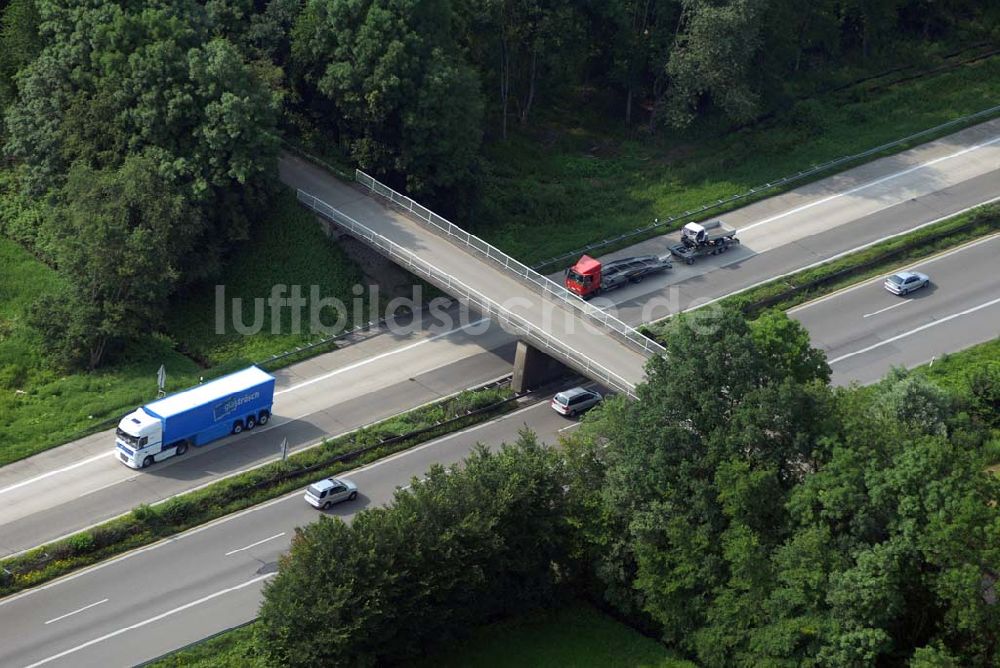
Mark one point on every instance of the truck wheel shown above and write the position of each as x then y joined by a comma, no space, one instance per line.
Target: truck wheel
182,448
251,422
147,462
237,427
263,418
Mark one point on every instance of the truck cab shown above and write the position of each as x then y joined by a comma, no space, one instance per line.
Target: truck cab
584,277
694,234
139,435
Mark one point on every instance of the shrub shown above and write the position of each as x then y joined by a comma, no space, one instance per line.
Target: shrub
81,543
984,393
145,513
178,511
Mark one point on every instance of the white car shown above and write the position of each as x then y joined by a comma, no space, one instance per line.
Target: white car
325,493
575,401
906,281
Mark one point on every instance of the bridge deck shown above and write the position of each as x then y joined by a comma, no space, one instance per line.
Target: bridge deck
566,326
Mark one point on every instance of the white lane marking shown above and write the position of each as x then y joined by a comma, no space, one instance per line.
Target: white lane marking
257,465
567,428
252,545
888,308
151,620
836,256
916,330
869,184
409,485
922,263
70,614
388,353
277,422
297,494
477,427
53,472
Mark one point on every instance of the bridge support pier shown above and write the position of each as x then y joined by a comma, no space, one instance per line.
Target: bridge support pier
532,368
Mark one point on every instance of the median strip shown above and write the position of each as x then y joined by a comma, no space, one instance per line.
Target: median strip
147,524
831,276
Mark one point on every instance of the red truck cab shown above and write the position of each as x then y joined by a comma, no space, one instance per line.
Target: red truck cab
584,277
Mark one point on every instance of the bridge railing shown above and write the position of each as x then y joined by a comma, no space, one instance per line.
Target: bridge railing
508,320
543,284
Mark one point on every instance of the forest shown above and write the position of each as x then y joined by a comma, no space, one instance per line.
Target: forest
743,511
140,138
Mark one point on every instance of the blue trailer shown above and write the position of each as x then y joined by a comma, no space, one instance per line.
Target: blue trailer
193,417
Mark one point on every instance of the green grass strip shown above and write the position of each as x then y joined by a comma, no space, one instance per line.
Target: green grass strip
880,258
147,524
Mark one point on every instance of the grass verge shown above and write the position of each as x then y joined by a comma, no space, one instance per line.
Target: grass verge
288,249
230,649
148,524
569,181
803,286
576,634
41,407
952,371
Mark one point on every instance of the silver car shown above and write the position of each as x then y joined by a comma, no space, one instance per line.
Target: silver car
906,281
575,401
325,493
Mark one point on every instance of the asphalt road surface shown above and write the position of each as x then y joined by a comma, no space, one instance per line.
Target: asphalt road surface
823,220
73,486
865,329
65,489
180,590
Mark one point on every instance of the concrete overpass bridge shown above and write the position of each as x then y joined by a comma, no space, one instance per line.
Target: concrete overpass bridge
543,315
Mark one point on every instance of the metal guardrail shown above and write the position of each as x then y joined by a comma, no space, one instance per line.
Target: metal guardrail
510,321
546,286
660,224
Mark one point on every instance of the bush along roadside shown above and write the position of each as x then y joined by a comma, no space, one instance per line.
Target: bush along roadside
802,286
147,524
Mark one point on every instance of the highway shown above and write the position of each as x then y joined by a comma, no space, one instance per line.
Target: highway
68,488
175,592
865,329
823,220
79,484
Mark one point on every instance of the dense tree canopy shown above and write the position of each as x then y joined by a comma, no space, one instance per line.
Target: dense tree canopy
149,137
741,508
756,517
123,234
458,548
407,89
387,81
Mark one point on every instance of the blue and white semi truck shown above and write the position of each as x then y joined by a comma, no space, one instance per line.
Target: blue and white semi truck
194,417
